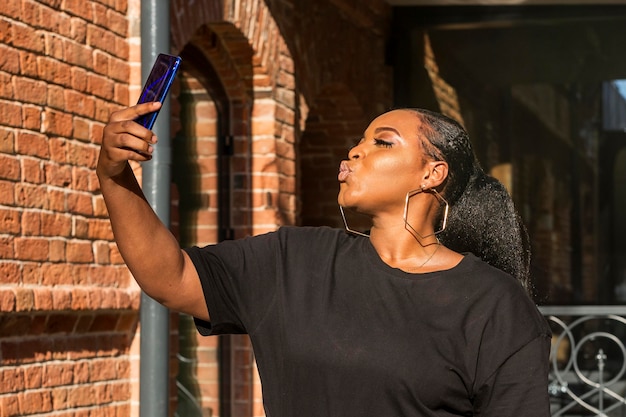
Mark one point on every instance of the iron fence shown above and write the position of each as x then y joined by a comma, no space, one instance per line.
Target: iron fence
588,360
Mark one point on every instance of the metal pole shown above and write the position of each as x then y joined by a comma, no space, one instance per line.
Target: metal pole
154,318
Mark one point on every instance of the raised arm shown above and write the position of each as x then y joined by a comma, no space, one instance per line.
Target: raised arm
149,249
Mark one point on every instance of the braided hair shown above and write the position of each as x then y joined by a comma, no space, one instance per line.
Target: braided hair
482,218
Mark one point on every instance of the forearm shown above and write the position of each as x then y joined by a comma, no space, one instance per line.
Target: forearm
147,246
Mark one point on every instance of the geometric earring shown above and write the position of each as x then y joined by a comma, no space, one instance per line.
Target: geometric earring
345,224
442,201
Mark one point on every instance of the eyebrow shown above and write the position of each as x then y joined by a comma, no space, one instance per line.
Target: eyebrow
386,128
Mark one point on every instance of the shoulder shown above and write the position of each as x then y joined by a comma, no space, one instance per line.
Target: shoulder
317,237
502,297
310,231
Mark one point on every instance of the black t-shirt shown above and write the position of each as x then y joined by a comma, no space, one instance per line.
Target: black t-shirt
337,332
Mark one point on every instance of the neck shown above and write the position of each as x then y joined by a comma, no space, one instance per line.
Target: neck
399,242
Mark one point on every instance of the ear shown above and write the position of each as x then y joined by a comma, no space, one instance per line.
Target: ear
436,174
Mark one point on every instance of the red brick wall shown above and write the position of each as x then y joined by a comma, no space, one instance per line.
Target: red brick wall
68,308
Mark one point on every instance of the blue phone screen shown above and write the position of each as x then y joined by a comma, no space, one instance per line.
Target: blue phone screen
158,85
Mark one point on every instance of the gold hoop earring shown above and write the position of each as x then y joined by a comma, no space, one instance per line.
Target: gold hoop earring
441,200
345,225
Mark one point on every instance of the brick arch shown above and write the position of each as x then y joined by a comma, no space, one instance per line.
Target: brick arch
249,20
241,40
335,121
263,173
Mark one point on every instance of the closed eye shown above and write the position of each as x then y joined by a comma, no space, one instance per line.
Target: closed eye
383,143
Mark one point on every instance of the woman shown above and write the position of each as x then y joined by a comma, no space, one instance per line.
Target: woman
404,321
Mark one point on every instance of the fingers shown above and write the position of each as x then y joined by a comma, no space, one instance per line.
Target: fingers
125,140
122,131
131,113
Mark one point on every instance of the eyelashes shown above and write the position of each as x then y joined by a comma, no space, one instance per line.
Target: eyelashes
377,142
383,143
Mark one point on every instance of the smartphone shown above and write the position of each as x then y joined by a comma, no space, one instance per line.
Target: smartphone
158,85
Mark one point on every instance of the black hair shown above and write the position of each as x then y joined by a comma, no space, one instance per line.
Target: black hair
482,218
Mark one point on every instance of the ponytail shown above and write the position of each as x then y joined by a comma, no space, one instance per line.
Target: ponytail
484,221
482,218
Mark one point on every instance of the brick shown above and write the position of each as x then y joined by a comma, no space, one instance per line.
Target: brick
31,196
119,70
59,398
28,64
33,249
79,252
32,376
102,39
78,54
61,299
10,167
58,175
31,13
31,273
31,116
104,323
7,297
78,30
100,86
81,129
93,184
57,200
6,87
57,251
56,224
101,253
101,62
33,144
82,155
61,323
10,221
43,299
57,374
79,204
80,299
103,112
10,114
31,171
55,46
10,406
6,247
83,324
24,299
81,228
58,149
56,97
54,71
79,103
26,37
97,131
9,60
7,140
79,79
79,8
60,24
100,230
6,31
12,380
33,402
31,223
57,123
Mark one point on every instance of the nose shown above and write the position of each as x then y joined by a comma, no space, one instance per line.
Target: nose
355,152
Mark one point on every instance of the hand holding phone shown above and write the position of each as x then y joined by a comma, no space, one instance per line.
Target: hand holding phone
158,85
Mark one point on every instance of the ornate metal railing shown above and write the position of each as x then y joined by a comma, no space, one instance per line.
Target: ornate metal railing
588,360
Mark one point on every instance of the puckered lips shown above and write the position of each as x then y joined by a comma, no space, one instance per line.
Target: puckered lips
344,171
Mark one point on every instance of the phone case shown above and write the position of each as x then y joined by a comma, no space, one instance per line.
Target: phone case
158,85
